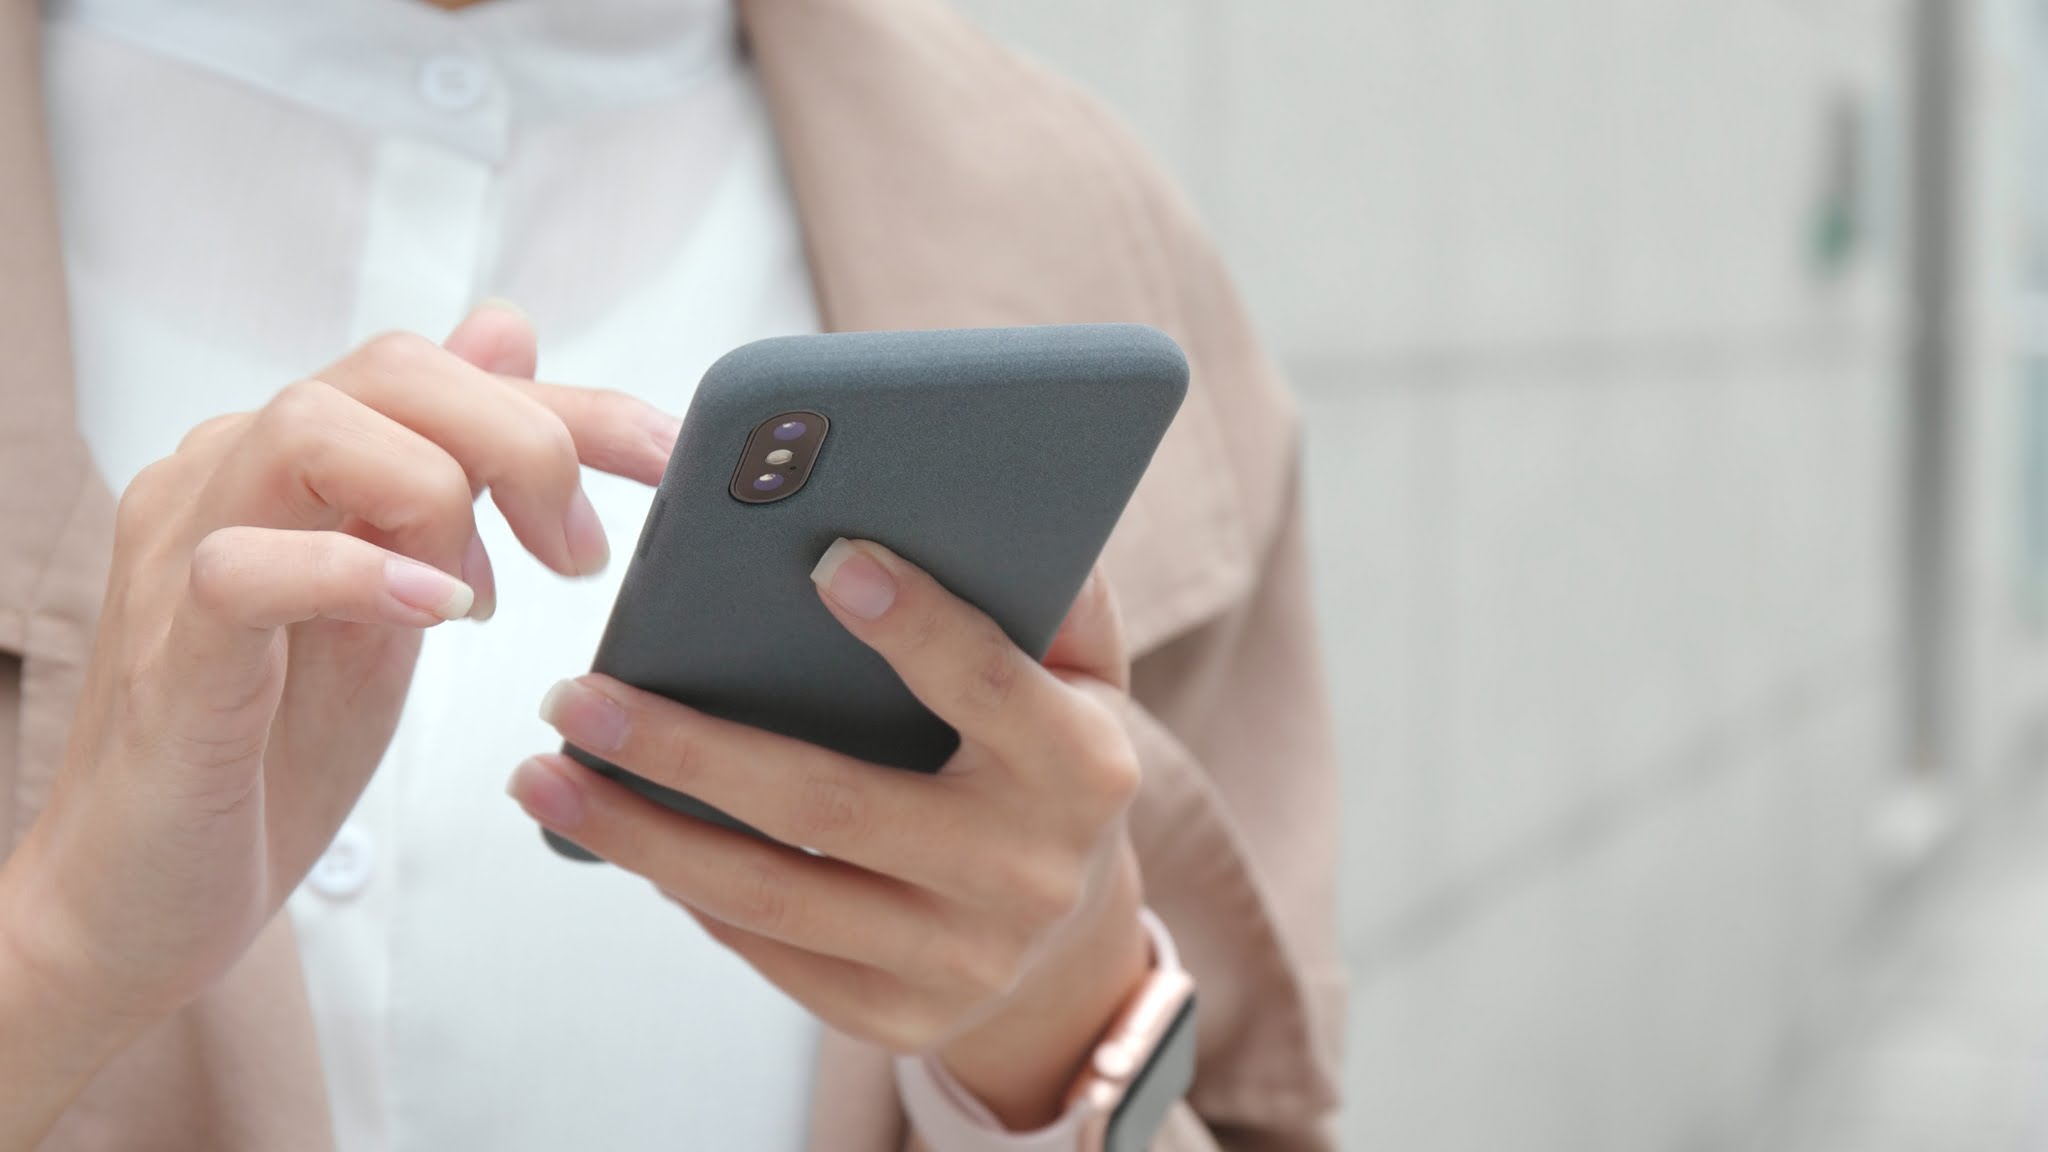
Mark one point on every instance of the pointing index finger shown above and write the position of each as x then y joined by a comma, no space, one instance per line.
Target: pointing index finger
614,432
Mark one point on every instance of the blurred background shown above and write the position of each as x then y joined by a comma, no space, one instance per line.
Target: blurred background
1676,384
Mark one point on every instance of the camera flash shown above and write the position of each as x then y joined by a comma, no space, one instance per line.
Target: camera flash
781,456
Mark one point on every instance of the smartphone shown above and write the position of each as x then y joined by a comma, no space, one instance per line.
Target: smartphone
997,459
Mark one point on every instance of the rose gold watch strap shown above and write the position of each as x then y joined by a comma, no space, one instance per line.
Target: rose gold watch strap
950,1119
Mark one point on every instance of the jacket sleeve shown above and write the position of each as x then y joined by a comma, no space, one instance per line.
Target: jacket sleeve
1232,724
1236,824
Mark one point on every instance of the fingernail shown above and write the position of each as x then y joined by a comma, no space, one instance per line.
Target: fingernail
503,305
584,716
588,549
476,571
427,588
854,580
547,794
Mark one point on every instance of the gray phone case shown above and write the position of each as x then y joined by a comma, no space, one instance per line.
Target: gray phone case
996,459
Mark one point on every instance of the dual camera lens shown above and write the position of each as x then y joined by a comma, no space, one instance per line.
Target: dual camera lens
779,457
786,431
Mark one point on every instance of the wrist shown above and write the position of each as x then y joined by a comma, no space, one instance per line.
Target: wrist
55,1035
1021,1062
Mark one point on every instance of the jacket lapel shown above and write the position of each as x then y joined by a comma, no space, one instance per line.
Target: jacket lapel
42,462
943,182
55,516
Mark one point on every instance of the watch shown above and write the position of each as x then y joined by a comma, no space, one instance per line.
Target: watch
1142,1064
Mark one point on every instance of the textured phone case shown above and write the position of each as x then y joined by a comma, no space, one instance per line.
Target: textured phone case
996,459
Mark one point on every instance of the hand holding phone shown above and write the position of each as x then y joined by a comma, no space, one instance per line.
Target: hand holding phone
997,460
954,493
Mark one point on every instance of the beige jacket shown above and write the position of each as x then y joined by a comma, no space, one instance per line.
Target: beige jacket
942,182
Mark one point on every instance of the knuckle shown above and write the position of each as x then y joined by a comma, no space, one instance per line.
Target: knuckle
830,810
1107,771
1113,776
135,511
437,497
991,676
1051,895
679,757
297,404
207,433
298,421
922,628
543,440
216,563
1043,888
984,970
446,488
396,353
146,498
762,900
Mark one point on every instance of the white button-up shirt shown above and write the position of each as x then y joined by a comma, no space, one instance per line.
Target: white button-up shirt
248,188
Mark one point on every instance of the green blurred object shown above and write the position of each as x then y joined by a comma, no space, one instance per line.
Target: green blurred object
1838,225
1836,237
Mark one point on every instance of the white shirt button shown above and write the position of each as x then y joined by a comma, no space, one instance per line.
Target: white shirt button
452,83
344,869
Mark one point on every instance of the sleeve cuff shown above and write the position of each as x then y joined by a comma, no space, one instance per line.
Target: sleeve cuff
951,1119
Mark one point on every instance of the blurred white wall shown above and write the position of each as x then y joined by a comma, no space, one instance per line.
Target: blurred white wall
1605,473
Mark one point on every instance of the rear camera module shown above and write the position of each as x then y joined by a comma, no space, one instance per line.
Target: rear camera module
779,455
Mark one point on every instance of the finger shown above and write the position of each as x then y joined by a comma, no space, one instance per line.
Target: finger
478,573
856,999
811,902
210,438
497,338
1091,639
951,656
880,819
503,439
242,585
263,578
315,458
614,432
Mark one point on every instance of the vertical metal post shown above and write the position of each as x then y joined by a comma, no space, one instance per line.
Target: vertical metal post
1936,175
